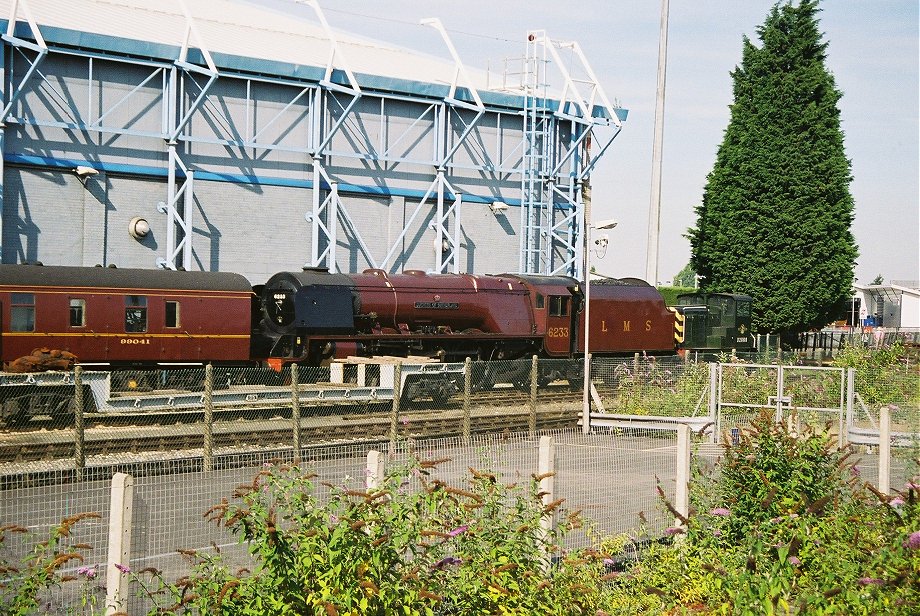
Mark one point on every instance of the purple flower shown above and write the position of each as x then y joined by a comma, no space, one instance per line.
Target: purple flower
674,530
89,572
123,568
854,470
793,560
447,561
913,540
717,533
897,501
910,485
609,562
333,519
720,511
869,581
459,530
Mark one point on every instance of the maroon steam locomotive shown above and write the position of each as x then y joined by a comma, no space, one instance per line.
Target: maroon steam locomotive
160,318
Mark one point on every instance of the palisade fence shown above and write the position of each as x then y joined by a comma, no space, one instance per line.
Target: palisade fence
151,452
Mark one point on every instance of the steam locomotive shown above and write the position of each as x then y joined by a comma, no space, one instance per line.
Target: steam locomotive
112,318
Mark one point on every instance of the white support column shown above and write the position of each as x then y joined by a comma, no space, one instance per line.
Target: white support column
121,514
176,220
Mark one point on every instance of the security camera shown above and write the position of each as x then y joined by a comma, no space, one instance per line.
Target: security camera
85,173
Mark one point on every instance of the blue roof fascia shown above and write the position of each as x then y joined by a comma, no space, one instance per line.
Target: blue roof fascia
68,164
161,52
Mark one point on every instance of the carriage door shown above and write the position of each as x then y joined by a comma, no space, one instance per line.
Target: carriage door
559,325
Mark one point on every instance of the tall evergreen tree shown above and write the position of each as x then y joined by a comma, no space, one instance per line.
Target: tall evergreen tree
776,212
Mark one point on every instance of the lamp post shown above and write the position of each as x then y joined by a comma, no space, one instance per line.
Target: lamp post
586,393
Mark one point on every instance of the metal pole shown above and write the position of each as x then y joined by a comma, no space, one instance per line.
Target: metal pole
295,408
654,214
532,419
208,418
394,412
586,391
79,453
467,393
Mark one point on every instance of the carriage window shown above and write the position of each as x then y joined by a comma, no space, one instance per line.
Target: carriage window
172,314
22,312
540,301
744,309
78,313
135,313
558,306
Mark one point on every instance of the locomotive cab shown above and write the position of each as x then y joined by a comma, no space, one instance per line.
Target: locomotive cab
716,321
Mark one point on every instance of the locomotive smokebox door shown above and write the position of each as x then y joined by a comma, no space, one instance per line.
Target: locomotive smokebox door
324,309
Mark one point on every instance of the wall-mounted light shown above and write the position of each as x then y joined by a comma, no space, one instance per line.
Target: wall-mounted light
84,173
138,228
498,207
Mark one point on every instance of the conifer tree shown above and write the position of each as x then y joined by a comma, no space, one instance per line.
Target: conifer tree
776,212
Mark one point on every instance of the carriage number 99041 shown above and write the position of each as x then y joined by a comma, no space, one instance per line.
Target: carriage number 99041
558,332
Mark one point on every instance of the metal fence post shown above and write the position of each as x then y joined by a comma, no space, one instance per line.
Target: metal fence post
682,490
120,515
884,450
532,419
208,417
79,429
394,411
714,402
850,397
546,467
295,408
376,468
467,393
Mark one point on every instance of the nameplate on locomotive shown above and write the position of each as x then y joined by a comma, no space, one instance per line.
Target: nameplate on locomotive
437,305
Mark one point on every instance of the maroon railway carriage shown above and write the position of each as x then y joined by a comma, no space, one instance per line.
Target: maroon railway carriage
125,317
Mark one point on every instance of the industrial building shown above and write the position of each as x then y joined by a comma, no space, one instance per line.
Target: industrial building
218,135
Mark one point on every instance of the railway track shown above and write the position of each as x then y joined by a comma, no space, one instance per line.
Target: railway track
494,411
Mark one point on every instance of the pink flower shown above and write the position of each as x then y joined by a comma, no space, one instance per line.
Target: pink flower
717,533
869,581
793,560
88,572
913,540
720,511
459,530
674,530
897,501
123,568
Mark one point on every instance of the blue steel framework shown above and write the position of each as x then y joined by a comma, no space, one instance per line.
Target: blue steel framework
553,160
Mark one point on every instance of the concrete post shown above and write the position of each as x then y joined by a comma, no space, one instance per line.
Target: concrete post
376,469
884,450
120,517
682,490
714,402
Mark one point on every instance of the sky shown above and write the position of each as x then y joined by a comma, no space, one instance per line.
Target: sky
873,54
